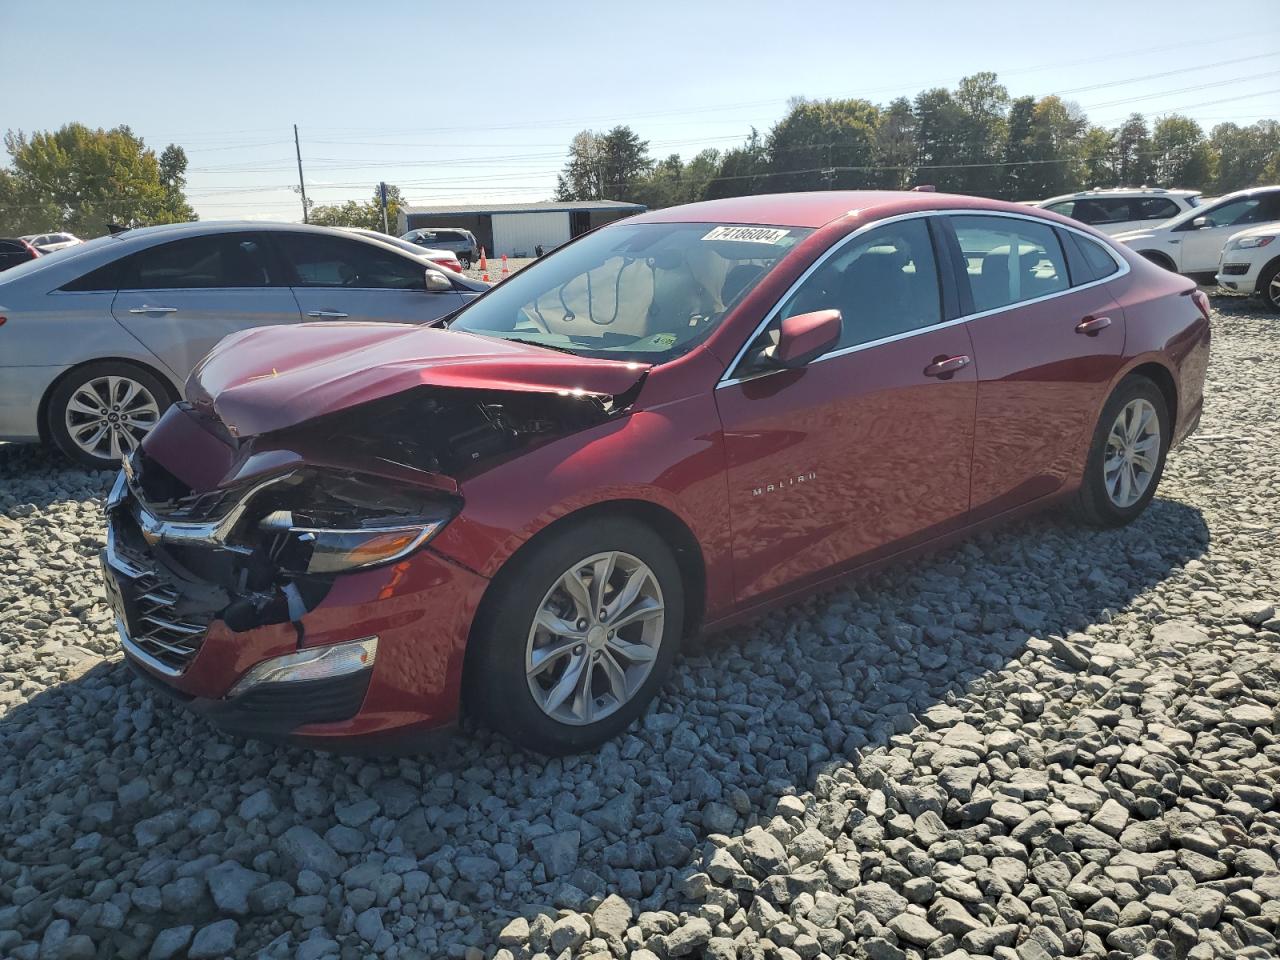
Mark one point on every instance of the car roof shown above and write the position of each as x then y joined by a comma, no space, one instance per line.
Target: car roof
1121,192
819,208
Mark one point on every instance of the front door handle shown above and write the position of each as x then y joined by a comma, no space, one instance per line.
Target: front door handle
1093,325
146,309
328,314
944,368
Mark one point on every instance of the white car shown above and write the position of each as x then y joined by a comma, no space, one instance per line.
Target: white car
49,242
1123,209
1251,264
1191,243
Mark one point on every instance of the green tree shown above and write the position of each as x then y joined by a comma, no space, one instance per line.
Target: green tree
1243,154
1183,157
895,147
939,120
822,143
355,213
1020,151
983,103
1097,158
80,179
740,170
1134,162
604,166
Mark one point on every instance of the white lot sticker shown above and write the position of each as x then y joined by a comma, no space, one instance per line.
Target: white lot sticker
747,234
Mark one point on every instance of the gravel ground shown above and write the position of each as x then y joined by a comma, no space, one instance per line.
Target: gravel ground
1045,742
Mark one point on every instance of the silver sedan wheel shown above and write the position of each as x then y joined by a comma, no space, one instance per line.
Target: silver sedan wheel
107,417
1273,291
1133,450
595,638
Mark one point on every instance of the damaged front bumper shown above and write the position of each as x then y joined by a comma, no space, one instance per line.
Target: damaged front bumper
232,654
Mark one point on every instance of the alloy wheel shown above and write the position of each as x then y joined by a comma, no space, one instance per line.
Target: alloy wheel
1133,451
107,417
1272,293
595,638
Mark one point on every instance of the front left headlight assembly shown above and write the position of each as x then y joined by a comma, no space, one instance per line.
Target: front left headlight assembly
1249,243
351,523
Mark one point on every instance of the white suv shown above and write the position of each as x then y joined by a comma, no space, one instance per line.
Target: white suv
1119,210
1251,264
1191,243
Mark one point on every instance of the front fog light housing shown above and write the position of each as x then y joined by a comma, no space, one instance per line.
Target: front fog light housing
319,663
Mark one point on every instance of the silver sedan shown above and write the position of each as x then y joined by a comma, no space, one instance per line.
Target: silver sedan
97,339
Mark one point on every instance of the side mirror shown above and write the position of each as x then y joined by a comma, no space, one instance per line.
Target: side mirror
807,336
437,282
1200,222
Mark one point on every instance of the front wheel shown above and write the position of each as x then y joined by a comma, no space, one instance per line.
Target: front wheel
1269,287
578,637
99,413
1127,456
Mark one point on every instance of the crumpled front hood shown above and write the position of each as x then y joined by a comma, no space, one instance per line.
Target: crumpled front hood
269,378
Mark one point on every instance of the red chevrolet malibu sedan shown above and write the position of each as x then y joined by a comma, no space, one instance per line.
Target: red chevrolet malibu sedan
347,532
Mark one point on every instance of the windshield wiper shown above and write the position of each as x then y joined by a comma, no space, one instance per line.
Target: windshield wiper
544,346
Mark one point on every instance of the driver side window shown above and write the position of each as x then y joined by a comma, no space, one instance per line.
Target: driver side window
884,283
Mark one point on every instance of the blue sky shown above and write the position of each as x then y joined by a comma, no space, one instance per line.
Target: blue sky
459,102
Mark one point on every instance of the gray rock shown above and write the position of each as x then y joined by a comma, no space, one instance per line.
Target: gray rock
230,885
303,849
216,940
169,943
558,852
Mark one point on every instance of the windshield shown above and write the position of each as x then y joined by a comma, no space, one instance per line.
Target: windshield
645,292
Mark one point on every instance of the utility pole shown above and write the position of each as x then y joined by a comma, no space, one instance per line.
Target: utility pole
382,192
302,187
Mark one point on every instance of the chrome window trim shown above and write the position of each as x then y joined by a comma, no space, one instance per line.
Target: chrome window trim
727,380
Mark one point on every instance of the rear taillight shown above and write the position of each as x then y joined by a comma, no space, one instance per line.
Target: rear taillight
3,321
1202,301
31,250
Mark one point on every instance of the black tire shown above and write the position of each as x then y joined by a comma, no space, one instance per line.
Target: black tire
56,408
466,262
497,692
1159,259
1270,295
1094,505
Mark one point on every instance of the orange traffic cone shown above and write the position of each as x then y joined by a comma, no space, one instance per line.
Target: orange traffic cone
484,262
485,277
505,272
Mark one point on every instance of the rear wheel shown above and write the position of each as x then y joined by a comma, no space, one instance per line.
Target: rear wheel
578,638
99,413
1127,456
1269,286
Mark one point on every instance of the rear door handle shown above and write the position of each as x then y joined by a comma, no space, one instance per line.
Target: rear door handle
146,309
1093,325
330,314
946,367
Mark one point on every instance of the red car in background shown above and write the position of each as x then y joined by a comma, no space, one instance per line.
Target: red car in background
348,531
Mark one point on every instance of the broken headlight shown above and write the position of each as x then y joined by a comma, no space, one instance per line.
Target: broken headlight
350,523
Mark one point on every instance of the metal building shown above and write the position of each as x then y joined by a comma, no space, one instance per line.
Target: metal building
517,229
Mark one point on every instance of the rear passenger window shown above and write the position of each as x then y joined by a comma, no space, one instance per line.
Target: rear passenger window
1009,260
1102,210
1063,208
883,283
1101,264
1154,208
